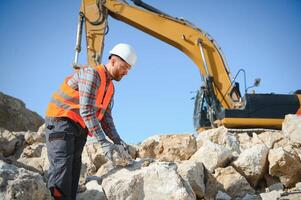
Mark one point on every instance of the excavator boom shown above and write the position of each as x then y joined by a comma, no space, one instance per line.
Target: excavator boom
218,100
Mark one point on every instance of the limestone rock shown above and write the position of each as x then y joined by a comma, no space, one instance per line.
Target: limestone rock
276,186
222,196
96,163
193,173
34,158
252,163
220,136
34,137
271,195
133,150
157,181
285,164
244,141
212,156
291,128
9,142
282,143
228,180
250,197
168,147
21,184
270,138
15,117
93,191
92,157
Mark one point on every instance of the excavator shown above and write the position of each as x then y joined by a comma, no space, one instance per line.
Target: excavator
218,100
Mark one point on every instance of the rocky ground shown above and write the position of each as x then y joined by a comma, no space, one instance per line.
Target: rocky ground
219,163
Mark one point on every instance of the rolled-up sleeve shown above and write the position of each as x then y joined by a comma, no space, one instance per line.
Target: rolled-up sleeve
88,84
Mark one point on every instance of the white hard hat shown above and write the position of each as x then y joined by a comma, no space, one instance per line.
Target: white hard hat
126,52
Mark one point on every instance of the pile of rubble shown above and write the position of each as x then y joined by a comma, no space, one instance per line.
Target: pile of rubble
219,163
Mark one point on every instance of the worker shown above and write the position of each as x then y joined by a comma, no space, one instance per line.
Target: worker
82,106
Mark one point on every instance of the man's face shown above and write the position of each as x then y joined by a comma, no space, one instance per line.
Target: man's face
120,68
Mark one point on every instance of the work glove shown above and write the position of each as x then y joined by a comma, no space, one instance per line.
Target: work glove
119,141
108,148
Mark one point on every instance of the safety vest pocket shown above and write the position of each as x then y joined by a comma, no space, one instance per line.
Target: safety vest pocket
56,136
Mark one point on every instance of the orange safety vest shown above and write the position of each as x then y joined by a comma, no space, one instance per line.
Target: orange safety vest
65,102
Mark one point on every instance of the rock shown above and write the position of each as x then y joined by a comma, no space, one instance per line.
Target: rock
93,157
245,141
298,185
282,143
270,138
193,173
168,147
9,142
291,128
15,117
34,158
285,164
156,181
34,137
105,169
231,182
252,163
133,150
270,180
212,156
250,197
93,191
96,163
21,184
271,195
290,196
276,186
222,196
219,136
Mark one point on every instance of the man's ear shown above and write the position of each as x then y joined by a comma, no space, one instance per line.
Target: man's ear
112,61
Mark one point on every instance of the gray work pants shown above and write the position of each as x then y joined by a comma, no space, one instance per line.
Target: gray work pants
65,141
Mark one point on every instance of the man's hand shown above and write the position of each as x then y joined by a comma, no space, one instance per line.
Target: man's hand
125,146
108,148
119,141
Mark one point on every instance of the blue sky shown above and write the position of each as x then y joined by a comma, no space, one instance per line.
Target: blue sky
37,49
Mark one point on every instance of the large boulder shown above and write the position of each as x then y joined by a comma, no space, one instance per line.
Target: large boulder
230,181
34,137
158,181
284,163
93,157
269,138
212,156
14,116
219,136
291,128
168,147
93,191
193,173
252,163
34,157
10,142
21,184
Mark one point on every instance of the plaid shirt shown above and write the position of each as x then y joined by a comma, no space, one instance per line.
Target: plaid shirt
87,81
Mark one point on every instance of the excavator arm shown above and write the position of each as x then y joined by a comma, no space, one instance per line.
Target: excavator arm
217,95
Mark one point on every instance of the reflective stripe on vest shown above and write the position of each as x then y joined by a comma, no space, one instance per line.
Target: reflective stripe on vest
65,102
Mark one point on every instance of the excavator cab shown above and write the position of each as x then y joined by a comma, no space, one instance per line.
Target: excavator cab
258,110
